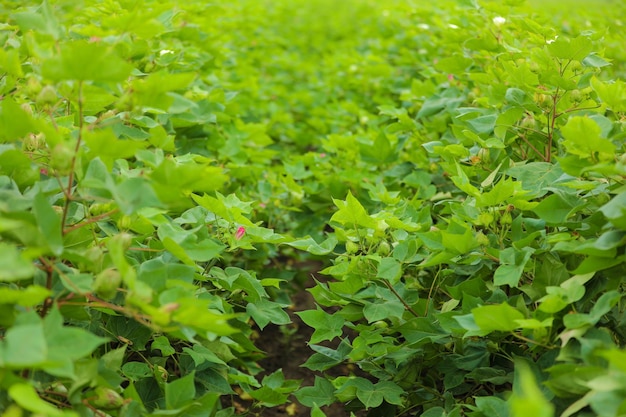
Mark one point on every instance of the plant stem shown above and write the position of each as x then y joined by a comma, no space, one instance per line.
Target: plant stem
555,100
70,180
89,221
404,303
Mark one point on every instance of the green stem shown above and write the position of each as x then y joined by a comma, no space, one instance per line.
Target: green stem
70,180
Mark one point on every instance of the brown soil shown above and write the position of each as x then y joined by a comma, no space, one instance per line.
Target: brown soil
288,350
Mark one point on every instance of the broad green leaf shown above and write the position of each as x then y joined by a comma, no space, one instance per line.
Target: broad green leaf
195,314
536,176
26,396
321,393
181,392
392,393
309,244
105,145
463,183
15,354
613,94
201,354
15,266
583,138
162,343
59,351
499,317
601,307
325,357
352,214
390,270
42,20
15,123
380,310
571,48
555,209
512,263
492,406
265,311
459,243
327,326
527,398
420,330
316,412
27,297
615,210
500,193
81,61
49,222
595,61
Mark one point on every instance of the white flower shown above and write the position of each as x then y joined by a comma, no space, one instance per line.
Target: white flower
549,41
165,51
452,26
423,26
499,21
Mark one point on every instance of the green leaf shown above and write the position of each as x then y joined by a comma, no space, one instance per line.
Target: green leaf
379,310
134,194
535,177
265,311
26,396
321,393
316,412
180,392
309,244
105,145
555,209
327,326
42,20
49,222
15,123
392,393
512,263
351,213
615,210
162,343
566,48
59,351
27,297
492,406
527,398
583,138
82,61
500,317
325,357
613,94
389,269
14,353
15,266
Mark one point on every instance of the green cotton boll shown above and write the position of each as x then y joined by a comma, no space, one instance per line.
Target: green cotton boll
107,399
61,159
352,247
47,96
106,283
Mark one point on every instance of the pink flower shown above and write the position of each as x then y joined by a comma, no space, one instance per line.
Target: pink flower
240,232
43,171
450,77
322,155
